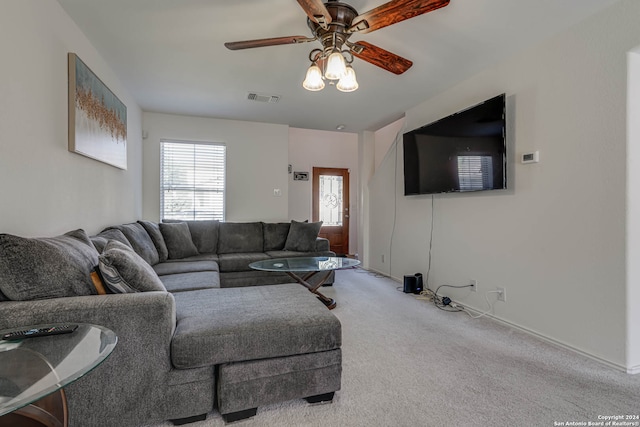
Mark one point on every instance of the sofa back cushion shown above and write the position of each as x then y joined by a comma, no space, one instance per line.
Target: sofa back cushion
124,271
140,241
236,237
50,267
275,235
204,234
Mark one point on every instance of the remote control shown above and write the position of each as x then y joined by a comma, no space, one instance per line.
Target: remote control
41,332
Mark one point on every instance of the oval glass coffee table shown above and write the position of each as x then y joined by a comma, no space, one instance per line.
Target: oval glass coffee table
302,269
34,370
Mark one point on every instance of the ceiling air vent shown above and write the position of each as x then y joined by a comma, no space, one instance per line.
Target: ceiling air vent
258,97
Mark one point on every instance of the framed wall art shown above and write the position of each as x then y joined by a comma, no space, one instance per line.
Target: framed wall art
97,118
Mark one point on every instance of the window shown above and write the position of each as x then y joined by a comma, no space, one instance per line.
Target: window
192,180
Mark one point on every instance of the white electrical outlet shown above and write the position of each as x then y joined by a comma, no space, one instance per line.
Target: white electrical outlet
474,285
502,294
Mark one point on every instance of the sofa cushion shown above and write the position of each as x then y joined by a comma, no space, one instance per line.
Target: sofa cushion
124,271
140,241
50,267
239,261
100,241
178,239
185,267
302,236
191,281
233,324
153,230
238,237
275,235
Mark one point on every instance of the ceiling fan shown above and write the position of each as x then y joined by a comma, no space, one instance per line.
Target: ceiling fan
333,23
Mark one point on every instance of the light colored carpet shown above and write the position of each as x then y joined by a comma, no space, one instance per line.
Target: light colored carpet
407,363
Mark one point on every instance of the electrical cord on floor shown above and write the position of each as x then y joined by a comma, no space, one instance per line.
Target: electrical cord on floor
442,302
486,298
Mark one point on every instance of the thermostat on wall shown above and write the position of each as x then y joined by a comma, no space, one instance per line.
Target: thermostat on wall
533,157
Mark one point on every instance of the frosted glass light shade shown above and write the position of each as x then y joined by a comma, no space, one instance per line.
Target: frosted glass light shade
348,83
336,66
313,81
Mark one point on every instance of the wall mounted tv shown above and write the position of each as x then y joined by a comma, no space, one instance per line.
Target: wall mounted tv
465,151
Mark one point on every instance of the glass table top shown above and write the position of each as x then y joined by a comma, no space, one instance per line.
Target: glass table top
304,264
35,367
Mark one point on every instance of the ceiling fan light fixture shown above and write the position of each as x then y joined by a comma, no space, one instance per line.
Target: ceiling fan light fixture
336,66
348,83
313,80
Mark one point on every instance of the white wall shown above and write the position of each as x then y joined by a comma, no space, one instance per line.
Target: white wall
315,148
44,188
556,239
385,138
257,158
633,212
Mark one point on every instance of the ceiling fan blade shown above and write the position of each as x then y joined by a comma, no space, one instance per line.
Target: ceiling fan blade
274,41
317,12
393,12
382,58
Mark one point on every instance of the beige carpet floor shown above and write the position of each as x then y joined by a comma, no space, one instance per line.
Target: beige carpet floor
407,363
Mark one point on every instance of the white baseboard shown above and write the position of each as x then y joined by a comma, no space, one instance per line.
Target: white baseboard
633,370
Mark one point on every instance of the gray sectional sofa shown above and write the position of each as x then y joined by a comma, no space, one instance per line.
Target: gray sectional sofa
197,329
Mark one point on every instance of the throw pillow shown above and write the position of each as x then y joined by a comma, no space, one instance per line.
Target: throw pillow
100,240
302,236
153,229
124,271
140,241
178,239
204,234
49,267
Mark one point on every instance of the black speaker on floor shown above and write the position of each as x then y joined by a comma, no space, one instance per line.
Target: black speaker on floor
419,286
409,284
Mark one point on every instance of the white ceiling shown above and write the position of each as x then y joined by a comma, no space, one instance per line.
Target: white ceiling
170,54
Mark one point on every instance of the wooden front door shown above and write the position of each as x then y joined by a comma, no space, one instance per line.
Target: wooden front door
331,206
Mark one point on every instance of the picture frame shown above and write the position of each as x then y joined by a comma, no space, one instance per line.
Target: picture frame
97,118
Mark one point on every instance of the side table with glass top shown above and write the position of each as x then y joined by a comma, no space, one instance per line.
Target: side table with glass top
302,269
33,372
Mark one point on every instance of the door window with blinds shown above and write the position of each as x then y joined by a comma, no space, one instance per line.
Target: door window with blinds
192,180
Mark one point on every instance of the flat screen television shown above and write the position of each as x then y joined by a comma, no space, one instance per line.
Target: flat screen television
465,151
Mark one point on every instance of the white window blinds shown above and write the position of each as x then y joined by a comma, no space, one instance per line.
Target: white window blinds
475,173
192,180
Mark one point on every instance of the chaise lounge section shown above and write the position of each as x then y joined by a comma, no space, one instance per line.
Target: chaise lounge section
197,331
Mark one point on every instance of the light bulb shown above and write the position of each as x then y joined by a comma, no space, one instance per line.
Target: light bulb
348,83
313,81
336,67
